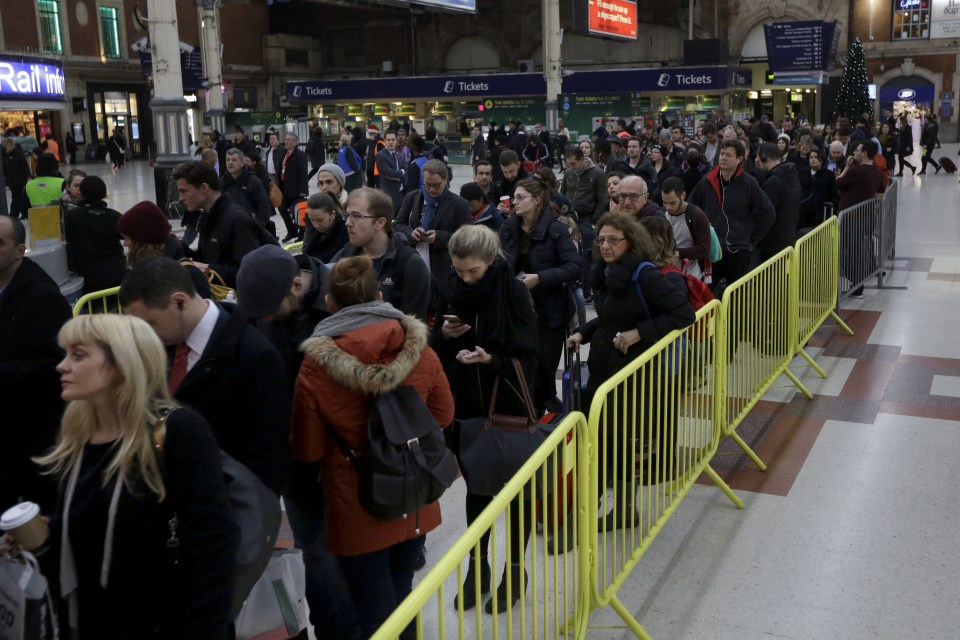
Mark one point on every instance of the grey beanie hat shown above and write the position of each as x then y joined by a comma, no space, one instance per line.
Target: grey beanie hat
264,280
336,171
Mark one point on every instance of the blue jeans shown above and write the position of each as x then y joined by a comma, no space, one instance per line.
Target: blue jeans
379,581
331,612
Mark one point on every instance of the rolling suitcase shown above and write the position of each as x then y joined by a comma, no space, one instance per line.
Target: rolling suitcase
948,165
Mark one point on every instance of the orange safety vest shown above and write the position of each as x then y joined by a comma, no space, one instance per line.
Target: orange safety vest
54,148
380,146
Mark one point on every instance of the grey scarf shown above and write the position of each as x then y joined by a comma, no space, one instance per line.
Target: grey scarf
356,316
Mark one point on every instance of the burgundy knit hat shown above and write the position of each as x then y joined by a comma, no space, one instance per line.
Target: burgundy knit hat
144,222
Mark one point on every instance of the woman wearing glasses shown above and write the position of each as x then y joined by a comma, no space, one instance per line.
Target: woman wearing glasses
543,257
626,325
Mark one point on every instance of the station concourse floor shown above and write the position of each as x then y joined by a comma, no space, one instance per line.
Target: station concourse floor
852,530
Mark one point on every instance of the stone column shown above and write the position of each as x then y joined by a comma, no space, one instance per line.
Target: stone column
552,70
210,37
168,105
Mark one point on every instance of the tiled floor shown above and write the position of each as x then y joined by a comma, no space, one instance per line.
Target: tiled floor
851,532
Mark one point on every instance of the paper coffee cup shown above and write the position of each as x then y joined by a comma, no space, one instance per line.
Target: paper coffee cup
24,524
505,200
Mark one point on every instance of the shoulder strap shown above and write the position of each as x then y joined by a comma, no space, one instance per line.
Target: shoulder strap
636,283
524,393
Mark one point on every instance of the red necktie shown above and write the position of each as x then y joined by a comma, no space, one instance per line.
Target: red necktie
179,369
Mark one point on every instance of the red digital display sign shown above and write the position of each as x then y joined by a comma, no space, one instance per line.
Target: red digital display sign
608,18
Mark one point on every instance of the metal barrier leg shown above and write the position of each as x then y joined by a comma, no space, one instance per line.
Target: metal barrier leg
843,325
796,381
627,617
730,433
717,480
816,367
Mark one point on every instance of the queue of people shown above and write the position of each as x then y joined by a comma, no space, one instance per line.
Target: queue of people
402,285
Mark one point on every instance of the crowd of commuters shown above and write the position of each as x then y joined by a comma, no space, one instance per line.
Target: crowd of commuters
400,281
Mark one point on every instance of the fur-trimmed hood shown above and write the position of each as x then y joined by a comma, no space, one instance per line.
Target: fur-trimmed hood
373,359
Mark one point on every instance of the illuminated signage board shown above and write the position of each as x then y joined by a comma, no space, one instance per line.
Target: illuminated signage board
606,18
945,19
31,79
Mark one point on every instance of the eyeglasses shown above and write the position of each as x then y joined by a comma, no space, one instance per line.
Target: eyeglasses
434,185
610,240
519,197
632,196
353,216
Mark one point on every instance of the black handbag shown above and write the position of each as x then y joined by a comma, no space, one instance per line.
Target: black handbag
493,448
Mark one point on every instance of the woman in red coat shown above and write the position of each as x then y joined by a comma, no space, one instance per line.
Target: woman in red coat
367,347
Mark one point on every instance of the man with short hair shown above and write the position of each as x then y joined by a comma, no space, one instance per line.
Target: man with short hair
860,180
483,176
32,310
391,169
638,164
513,172
228,231
240,140
220,365
293,182
585,185
404,278
635,199
244,188
739,210
782,186
711,147
273,157
691,228
429,216
479,147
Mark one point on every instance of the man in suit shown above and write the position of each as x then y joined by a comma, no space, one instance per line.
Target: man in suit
273,157
32,310
293,182
391,168
221,365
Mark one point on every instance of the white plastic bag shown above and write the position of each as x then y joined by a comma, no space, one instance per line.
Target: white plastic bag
277,604
107,158
26,607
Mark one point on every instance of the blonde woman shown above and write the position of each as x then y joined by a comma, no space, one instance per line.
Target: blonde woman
123,502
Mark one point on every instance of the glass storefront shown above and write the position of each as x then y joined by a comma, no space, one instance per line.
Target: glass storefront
117,110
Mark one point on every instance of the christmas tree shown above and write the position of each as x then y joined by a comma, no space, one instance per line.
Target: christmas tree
854,97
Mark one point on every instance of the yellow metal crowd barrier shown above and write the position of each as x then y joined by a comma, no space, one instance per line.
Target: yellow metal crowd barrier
816,272
654,429
757,341
106,301
553,600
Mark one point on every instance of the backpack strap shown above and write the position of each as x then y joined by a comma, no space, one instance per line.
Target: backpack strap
636,283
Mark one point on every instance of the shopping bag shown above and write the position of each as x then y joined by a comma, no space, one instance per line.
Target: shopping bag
26,606
276,608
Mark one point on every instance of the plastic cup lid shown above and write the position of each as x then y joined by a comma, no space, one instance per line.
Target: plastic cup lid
19,515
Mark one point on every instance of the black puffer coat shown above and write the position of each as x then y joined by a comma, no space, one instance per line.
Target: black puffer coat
619,309
782,186
553,257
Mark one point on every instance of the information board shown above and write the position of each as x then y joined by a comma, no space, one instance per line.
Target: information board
606,18
808,45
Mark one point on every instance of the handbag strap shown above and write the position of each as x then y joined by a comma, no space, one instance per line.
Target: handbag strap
524,392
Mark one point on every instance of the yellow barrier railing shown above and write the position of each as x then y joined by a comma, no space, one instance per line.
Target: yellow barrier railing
757,341
296,248
816,270
654,429
106,301
553,586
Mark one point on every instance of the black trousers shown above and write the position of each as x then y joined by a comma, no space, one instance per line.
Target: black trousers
551,347
518,543
927,157
286,212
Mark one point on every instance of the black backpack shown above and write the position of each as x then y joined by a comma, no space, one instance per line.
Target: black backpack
407,464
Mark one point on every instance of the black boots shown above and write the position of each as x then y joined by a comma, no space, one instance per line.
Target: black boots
515,592
470,584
